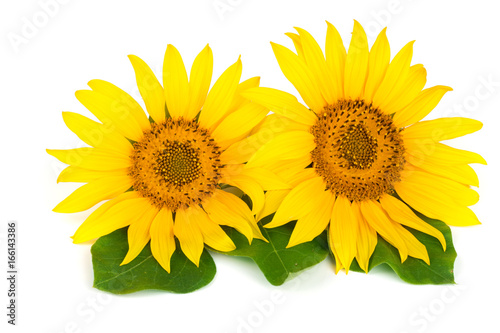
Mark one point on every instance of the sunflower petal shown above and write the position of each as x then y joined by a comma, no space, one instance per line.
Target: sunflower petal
283,146
435,205
401,213
298,203
239,123
441,154
150,88
213,235
417,77
123,104
314,223
335,55
79,175
189,235
356,64
378,61
175,83
95,134
297,72
297,43
114,214
344,231
420,107
379,221
221,96
396,74
112,113
367,239
91,158
139,234
162,238
316,62
226,209
441,129
282,103
199,81
90,194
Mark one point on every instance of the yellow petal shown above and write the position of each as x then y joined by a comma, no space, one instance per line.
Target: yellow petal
335,55
283,146
401,213
378,61
175,83
314,223
379,221
121,102
441,129
91,158
282,103
460,173
338,263
252,189
446,188
112,215
434,205
344,231
226,209
213,235
189,235
96,134
150,88
272,201
420,107
239,123
415,248
111,113
94,192
267,179
79,175
408,91
138,234
396,74
297,72
162,238
239,100
366,241
221,96
297,43
317,64
298,203
441,154
200,78
356,64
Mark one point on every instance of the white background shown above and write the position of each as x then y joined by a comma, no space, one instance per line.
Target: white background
458,43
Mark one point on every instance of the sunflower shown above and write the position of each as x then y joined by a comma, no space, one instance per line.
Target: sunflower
359,156
171,175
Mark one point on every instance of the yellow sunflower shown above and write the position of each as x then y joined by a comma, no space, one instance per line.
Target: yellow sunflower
172,174
363,155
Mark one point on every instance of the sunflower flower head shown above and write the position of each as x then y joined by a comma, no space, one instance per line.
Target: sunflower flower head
359,155
170,175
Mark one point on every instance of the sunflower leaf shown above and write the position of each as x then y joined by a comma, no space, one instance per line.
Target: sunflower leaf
273,258
144,272
413,270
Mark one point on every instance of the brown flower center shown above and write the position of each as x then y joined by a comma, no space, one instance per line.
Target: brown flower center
176,164
359,152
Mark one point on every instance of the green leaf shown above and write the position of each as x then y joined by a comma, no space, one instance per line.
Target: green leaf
274,260
413,270
144,272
